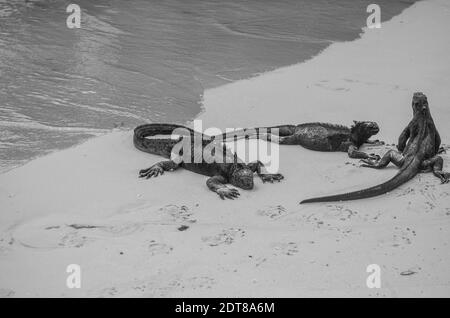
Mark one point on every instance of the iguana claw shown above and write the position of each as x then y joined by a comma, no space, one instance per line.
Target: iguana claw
153,171
271,177
228,193
369,163
376,142
445,177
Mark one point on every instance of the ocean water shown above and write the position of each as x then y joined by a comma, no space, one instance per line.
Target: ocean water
140,61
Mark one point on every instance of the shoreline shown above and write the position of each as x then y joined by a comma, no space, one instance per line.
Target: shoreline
24,150
319,84
85,205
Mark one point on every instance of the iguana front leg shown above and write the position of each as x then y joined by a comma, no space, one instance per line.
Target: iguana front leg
217,185
391,156
437,142
354,153
404,136
158,168
265,177
375,142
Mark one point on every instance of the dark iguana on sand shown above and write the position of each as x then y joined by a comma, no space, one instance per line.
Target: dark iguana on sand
232,170
317,136
418,146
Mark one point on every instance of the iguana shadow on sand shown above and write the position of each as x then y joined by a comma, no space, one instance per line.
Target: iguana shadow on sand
418,146
231,170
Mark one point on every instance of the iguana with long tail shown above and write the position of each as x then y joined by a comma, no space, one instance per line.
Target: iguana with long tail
317,136
418,146
230,170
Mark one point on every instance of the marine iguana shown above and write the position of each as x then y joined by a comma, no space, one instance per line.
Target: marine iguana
418,146
232,170
318,136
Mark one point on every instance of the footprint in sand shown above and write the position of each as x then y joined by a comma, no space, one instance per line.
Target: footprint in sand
272,212
159,286
332,88
408,191
45,233
429,191
174,286
6,243
59,232
339,212
6,292
226,237
107,292
402,236
289,248
193,283
56,231
156,248
72,239
177,214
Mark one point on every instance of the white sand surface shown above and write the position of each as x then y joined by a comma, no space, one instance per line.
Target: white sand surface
86,206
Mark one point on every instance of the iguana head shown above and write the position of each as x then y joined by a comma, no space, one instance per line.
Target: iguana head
420,104
363,130
241,176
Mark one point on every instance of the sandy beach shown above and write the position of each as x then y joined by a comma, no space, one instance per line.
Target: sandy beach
171,236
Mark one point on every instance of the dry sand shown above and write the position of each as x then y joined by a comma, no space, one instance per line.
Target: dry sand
172,237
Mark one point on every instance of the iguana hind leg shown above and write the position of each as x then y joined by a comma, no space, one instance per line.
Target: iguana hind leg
217,185
437,164
158,168
391,156
257,166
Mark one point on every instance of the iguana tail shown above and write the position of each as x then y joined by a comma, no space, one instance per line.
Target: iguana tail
255,132
405,174
156,146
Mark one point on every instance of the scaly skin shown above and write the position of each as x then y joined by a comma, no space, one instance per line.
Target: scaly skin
418,146
317,136
232,171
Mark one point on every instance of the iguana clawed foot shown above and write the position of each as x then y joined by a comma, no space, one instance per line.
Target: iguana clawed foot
371,160
228,193
373,156
441,150
369,163
153,171
445,177
271,177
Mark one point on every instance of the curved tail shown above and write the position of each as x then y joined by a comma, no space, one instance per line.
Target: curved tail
406,174
147,130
